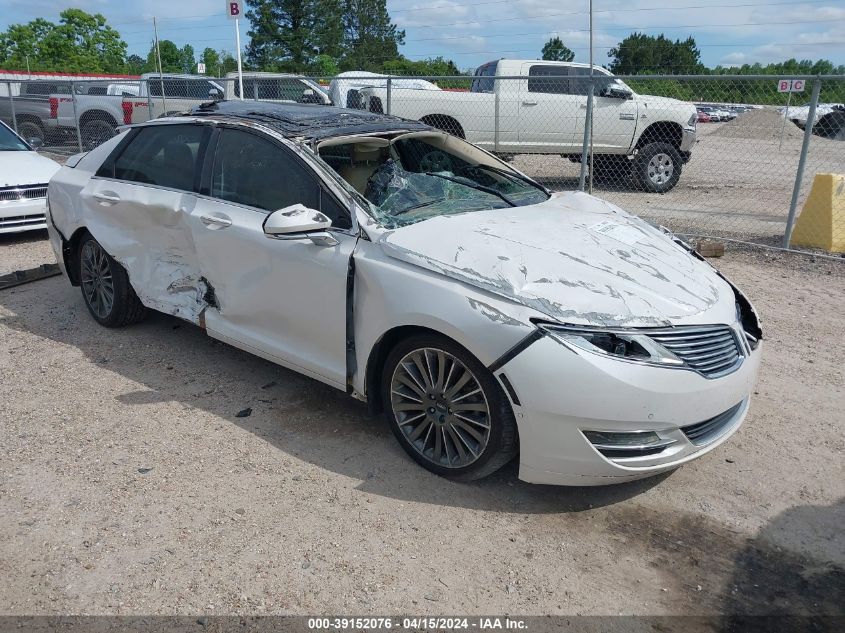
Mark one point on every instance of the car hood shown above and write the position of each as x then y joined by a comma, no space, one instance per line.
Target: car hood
25,168
575,258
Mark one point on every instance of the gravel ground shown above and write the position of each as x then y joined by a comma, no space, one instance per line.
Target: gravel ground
130,486
20,251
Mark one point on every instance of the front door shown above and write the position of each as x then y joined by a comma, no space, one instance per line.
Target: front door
548,114
284,300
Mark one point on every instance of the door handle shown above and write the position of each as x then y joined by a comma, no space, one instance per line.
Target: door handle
107,196
215,221
529,103
583,106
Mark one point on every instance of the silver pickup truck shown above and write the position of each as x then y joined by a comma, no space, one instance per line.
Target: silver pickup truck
30,108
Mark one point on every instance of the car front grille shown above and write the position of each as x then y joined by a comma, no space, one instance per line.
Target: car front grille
711,350
26,192
22,221
705,432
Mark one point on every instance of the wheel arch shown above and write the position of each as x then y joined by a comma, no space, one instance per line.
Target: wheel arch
70,253
661,132
445,122
97,115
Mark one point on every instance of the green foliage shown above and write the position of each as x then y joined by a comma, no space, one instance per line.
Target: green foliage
211,59
80,42
556,51
640,54
369,35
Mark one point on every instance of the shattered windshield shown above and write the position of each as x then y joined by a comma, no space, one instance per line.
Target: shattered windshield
419,176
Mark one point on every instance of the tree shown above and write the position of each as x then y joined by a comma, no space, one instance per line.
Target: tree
80,42
211,59
281,34
423,67
370,37
135,65
187,59
171,58
645,54
556,51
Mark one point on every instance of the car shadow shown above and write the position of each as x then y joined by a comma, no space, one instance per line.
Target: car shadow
176,361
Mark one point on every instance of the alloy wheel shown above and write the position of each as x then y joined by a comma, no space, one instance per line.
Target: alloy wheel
440,407
96,277
660,168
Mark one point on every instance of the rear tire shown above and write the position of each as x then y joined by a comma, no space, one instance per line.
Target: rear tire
29,129
446,408
658,167
105,287
96,132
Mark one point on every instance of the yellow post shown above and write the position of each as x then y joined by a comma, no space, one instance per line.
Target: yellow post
822,220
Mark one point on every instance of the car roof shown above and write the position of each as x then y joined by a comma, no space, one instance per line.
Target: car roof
311,121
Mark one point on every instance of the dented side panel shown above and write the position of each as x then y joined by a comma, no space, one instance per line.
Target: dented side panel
390,294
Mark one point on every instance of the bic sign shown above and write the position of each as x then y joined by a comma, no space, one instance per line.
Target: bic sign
790,85
233,9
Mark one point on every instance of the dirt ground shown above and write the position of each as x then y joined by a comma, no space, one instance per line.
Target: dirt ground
130,486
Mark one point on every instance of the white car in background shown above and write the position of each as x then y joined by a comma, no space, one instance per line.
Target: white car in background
346,86
24,175
486,316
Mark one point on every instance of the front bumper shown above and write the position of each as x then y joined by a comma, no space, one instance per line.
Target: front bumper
563,393
23,215
687,139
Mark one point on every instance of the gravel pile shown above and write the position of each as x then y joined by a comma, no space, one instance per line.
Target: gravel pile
762,124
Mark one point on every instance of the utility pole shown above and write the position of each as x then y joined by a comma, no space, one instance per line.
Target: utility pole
160,76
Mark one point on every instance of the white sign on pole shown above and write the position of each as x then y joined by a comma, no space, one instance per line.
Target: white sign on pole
233,9
200,68
791,85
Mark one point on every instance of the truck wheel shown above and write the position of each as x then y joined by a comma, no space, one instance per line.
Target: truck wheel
96,133
658,167
29,129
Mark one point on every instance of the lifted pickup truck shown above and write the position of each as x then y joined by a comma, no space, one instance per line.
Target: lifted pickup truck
543,111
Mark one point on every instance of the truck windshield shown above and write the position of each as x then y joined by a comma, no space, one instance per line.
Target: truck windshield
9,141
415,178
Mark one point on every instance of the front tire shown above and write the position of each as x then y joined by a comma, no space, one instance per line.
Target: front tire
658,167
446,408
106,288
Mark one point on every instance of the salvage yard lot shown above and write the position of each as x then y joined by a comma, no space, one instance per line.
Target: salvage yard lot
129,486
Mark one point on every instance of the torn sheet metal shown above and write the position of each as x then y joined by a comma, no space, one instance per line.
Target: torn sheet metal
574,258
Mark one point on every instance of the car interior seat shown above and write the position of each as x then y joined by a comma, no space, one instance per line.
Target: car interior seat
366,158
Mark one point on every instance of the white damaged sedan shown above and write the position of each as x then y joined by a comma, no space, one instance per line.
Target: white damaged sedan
485,316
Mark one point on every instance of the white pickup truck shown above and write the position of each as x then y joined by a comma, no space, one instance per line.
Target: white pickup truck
542,110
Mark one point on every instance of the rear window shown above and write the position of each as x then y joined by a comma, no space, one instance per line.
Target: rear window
41,88
480,83
162,155
278,89
181,88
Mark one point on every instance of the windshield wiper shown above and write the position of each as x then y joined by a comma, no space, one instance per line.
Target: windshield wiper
418,206
505,172
473,185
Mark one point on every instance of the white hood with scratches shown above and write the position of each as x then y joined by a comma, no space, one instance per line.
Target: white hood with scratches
574,258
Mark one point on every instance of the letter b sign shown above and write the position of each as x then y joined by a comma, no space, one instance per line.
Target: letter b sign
233,9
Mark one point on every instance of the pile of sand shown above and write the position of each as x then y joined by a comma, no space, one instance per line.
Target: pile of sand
765,124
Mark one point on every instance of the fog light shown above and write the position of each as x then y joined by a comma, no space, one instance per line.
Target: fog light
622,446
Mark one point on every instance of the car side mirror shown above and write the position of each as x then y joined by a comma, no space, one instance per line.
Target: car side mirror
215,94
298,222
35,143
615,92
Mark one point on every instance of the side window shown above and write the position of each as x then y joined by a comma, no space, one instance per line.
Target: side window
256,172
580,81
163,155
484,85
549,79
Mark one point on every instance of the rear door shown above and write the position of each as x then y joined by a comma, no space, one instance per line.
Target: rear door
136,206
548,112
283,299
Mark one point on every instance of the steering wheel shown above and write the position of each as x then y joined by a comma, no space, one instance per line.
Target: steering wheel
436,160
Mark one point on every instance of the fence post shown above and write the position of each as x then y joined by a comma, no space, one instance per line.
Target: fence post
75,115
799,175
149,98
588,132
495,116
12,104
389,94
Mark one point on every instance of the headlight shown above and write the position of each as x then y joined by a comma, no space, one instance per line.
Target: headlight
692,120
607,342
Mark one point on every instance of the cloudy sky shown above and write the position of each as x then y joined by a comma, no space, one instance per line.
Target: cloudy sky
727,31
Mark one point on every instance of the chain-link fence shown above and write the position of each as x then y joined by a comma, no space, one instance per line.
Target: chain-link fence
721,156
